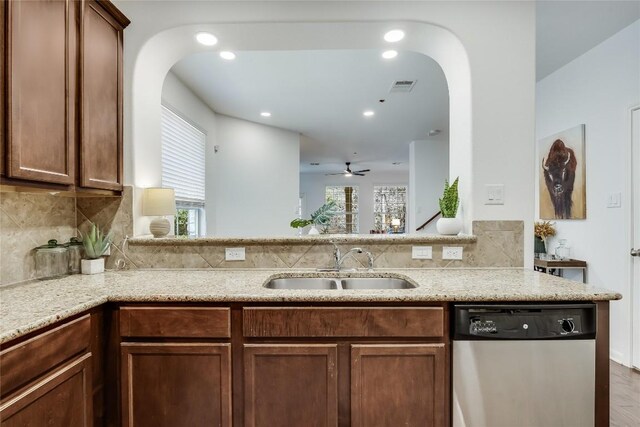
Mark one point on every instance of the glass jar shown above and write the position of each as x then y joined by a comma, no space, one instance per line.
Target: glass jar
75,249
52,260
563,251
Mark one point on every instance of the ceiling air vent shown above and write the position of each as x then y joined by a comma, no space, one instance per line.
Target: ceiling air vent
403,85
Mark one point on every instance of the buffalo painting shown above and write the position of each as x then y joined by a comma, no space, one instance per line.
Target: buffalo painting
562,175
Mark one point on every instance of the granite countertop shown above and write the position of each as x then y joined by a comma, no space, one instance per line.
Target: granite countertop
27,307
305,239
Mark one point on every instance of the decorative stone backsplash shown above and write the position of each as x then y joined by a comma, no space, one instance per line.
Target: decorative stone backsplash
498,244
29,220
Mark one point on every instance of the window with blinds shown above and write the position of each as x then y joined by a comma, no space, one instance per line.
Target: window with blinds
183,169
346,219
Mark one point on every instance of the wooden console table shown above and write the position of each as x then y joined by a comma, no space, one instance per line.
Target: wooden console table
556,266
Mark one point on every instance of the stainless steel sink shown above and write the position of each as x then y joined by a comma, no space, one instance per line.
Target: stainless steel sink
303,283
339,283
376,283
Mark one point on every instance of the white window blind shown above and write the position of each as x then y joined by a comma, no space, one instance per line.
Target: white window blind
183,148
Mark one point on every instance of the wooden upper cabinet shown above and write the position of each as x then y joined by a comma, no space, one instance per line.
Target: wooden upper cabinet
41,42
101,96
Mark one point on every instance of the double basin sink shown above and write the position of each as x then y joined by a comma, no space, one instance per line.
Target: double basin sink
322,283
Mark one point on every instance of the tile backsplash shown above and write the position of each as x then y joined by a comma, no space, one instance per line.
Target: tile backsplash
28,220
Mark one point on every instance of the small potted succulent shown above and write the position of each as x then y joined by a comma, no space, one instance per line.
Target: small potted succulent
321,217
96,244
449,224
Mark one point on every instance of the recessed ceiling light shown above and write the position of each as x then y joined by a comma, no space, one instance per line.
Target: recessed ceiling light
206,39
225,54
368,113
389,54
265,114
394,36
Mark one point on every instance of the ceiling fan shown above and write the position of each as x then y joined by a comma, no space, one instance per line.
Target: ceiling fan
349,172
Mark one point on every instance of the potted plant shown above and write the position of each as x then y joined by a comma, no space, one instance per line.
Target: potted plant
449,224
96,244
542,231
320,218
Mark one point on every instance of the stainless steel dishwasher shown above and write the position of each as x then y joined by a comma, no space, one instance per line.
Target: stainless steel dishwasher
524,365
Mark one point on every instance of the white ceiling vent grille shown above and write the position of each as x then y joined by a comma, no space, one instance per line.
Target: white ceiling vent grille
403,85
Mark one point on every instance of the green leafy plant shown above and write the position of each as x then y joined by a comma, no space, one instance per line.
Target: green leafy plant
96,242
322,216
449,201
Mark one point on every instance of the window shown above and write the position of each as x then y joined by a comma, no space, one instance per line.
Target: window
346,221
389,202
183,166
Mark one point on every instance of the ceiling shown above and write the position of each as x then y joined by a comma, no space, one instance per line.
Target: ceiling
322,94
567,29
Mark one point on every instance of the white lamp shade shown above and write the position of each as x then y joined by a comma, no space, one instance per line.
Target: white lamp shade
158,202
395,222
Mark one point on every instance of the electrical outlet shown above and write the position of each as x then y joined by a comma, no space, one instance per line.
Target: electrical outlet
421,252
234,254
614,200
452,252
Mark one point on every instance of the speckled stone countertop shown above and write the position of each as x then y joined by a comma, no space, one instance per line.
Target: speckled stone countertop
305,239
27,307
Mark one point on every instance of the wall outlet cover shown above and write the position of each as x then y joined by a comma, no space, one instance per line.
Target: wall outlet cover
421,252
452,252
234,254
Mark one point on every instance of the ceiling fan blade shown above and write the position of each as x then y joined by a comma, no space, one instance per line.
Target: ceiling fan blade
327,174
363,170
358,173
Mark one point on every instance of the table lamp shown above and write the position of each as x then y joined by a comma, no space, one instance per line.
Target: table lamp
159,202
395,223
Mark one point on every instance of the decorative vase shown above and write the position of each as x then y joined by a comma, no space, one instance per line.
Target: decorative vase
313,231
449,226
539,246
92,266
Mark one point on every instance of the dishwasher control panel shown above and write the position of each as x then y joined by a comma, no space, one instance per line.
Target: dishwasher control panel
524,321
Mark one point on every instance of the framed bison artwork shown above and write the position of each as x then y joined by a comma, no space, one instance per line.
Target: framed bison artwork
562,175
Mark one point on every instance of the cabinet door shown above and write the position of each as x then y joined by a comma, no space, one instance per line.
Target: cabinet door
173,385
61,399
41,90
398,385
101,99
290,385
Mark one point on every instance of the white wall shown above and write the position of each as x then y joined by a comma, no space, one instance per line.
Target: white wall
257,185
486,50
313,186
252,181
178,97
598,89
428,168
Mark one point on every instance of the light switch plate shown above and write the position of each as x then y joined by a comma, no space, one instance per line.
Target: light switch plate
234,254
614,200
452,252
421,252
494,194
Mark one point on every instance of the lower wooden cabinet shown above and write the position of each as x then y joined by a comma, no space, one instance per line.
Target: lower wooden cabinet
398,385
290,385
173,385
62,398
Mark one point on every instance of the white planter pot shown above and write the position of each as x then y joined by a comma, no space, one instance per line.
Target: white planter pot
449,226
313,231
92,266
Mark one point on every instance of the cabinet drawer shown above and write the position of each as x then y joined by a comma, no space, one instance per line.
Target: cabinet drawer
175,322
28,360
343,322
